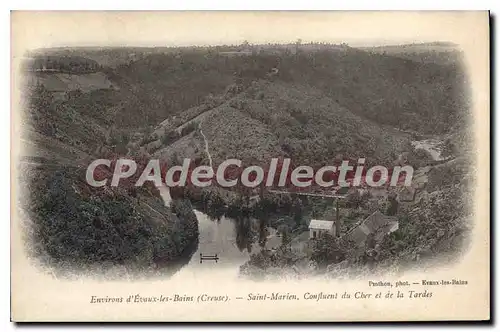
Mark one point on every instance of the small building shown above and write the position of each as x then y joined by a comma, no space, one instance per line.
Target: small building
377,224
318,227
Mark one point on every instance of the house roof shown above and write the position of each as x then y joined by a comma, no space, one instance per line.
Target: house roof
357,235
375,223
321,224
378,220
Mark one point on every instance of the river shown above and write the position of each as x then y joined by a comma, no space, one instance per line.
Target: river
217,237
432,145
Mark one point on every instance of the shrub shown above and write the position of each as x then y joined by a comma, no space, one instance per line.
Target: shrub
259,95
189,128
170,137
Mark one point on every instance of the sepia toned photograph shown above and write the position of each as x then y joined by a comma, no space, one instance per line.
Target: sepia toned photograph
250,166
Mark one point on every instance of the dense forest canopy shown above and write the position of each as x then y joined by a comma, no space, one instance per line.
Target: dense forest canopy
388,90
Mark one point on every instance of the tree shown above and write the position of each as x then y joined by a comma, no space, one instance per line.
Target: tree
354,199
297,212
297,46
328,249
245,44
170,137
392,209
262,232
285,238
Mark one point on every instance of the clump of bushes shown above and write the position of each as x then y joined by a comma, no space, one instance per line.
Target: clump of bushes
189,128
170,137
259,95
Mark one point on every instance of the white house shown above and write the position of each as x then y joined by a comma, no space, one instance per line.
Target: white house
318,227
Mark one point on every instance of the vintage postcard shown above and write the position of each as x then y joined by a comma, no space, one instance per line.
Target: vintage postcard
250,166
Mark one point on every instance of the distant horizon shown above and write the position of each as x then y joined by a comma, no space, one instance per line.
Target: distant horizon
355,44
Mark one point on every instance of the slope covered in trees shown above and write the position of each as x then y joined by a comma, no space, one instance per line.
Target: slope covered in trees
385,89
278,119
73,227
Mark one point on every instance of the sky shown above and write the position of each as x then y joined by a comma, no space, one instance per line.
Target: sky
70,29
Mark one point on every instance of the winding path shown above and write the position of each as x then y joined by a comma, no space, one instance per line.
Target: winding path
206,147
165,191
